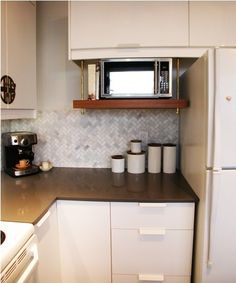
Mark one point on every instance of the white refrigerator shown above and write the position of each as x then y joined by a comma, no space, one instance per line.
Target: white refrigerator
208,161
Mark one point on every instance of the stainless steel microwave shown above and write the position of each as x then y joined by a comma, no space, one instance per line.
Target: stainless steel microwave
136,78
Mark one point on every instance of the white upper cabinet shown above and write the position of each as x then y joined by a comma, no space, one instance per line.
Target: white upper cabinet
212,23
18,53
122,26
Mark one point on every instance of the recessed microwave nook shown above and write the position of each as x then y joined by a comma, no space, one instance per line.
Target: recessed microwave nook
136,78
162,81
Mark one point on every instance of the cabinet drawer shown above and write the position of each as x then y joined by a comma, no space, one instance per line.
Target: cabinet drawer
168,215
169,253
120,278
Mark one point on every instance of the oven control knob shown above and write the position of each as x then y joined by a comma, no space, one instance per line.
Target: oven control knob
24,142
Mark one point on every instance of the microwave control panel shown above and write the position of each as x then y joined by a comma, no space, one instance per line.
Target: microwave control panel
164,77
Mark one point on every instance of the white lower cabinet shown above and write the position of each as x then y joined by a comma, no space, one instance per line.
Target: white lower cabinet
123,242
48,270
153,242
84,236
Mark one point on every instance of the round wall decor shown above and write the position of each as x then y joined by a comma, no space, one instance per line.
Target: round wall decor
8,89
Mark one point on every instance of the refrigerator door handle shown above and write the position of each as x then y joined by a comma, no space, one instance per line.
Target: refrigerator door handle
213,204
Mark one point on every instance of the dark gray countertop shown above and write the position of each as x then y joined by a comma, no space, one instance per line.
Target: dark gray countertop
26,199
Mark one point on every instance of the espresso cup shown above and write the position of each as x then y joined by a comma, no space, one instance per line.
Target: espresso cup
46,165
23,163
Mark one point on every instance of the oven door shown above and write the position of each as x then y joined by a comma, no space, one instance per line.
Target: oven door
22,268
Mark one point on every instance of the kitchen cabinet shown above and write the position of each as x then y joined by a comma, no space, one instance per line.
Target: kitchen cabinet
212,23
153,240
84,238
158,237
18,54
46,230
121,28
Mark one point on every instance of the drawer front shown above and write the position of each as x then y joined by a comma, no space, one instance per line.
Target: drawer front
168,215
169,252
120,278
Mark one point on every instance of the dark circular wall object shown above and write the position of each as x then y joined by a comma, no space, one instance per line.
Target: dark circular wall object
8,89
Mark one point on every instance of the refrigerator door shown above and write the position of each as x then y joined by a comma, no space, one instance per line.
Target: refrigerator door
220,254
225,109
197,121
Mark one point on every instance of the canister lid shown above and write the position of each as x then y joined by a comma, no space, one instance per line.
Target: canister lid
169,144
136,153
154,144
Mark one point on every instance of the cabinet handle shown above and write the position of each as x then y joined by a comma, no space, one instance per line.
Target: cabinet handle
228,98
151,277
43,219
152,231
153,204
128,45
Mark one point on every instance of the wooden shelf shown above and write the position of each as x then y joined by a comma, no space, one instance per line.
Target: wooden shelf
131,104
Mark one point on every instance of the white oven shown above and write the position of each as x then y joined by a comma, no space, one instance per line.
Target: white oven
19,253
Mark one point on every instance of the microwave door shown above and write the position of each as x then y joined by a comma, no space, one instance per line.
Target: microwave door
128,79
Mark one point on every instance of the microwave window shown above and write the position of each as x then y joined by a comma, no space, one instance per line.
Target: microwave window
132,82
129,78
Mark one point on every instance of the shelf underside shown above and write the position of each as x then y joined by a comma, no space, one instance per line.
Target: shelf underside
131,104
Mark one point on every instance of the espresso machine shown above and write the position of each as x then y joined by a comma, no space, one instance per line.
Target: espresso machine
17,153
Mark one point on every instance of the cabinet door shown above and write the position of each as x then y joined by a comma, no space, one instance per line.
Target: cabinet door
46,229
84,239
96,25
212,23
18,26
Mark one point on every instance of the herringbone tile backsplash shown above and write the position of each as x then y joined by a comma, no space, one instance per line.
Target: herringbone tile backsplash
70,139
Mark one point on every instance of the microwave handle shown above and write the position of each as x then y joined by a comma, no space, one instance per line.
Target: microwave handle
107,84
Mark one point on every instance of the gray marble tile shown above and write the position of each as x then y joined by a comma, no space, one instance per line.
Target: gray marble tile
68,138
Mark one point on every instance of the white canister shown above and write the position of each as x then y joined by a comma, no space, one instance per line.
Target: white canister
136,162
154,157
169,158
135,146
117,163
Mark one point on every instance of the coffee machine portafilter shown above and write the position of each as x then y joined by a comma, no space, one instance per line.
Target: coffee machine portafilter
17,146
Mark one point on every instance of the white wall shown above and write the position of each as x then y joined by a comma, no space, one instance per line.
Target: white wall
58,80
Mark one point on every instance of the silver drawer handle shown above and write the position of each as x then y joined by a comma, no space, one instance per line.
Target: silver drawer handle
152,231
153,204
151,277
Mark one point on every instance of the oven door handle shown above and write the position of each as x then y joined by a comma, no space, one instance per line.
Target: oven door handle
35,258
